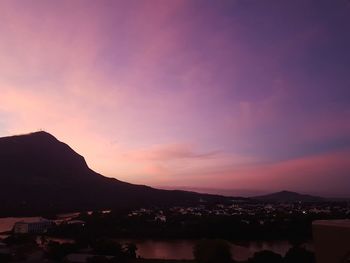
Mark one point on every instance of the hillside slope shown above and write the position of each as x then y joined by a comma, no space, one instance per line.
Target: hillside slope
39,174
288,196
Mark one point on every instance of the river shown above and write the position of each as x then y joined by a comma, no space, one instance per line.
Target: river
174,249
182,248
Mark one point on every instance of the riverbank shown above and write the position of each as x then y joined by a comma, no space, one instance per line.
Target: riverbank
169,248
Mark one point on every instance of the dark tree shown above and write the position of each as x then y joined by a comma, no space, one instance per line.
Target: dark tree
57,251
266,256
299,255
130,250
212,251
5,258
105,246
19,239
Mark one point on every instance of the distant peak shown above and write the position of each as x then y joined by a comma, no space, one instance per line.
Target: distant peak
287,192
39,135
42,135
288,196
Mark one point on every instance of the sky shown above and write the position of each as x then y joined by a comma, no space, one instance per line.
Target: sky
236,94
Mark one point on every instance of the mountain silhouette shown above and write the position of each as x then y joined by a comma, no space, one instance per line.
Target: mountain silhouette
39,174
288,196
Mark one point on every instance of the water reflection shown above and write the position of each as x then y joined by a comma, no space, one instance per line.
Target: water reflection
170,249
182,249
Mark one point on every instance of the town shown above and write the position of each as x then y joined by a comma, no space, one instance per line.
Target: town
71,237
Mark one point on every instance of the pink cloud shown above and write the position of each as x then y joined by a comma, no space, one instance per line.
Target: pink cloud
147,96
171,152
325,174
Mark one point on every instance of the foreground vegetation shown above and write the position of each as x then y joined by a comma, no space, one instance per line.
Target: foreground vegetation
233,222
106,250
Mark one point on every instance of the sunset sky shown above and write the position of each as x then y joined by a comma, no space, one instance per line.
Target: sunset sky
236,94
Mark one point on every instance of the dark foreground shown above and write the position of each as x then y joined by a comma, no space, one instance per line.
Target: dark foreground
36,249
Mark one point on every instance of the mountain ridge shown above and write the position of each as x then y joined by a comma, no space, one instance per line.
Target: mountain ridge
288,196
40,174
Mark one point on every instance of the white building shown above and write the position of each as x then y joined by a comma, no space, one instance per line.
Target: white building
37,227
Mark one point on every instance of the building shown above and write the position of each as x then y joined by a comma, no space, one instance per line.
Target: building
76,222
37,227
332,241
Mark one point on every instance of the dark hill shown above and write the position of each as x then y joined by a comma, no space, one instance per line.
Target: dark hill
39,174
287,196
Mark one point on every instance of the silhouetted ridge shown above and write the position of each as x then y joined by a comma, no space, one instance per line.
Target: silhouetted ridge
40,174
288,196
39,154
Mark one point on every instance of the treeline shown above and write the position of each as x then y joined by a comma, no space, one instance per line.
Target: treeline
188,226
218,251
